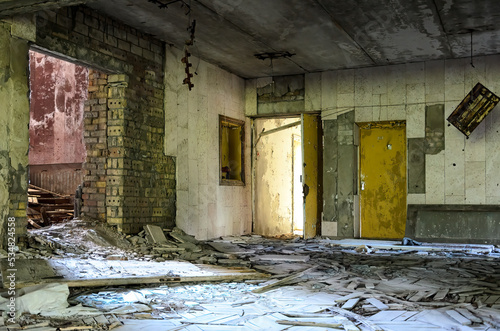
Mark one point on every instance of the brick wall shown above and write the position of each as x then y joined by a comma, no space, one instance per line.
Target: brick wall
95,136
129,181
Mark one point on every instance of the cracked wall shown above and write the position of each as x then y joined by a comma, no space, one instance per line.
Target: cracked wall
205,209
14,118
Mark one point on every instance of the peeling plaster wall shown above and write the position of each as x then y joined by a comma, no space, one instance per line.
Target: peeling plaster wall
273,177
453,171
14,115
204,208
58,91
462,171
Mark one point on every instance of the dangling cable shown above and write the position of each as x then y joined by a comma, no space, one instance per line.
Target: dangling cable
272,75
471,50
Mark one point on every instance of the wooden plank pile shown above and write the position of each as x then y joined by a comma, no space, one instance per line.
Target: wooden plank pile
46,207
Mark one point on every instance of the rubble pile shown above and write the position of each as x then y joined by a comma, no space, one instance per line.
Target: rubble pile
318,283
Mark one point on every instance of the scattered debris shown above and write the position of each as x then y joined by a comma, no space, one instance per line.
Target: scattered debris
46,207
154,234
314,284
410,242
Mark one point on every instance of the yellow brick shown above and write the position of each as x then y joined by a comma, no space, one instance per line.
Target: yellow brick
20,213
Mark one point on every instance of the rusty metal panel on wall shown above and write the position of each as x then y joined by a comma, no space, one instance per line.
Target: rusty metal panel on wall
473,109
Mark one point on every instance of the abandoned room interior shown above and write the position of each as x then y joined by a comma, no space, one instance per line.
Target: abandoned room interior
249,165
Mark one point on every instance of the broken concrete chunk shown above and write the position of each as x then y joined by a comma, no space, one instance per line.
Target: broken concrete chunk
182,237
225,247
134,240
190,247
154,234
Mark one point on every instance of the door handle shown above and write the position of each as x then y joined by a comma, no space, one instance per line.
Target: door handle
305,190
362,185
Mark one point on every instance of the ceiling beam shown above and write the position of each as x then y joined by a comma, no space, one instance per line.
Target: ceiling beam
16,7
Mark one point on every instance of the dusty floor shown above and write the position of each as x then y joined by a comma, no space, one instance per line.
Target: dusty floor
316,284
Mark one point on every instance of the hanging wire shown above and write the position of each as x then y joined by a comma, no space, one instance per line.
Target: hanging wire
471,50
272,76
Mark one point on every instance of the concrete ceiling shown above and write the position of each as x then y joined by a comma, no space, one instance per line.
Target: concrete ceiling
323,34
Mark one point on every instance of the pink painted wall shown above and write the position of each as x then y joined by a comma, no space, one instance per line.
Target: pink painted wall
58,92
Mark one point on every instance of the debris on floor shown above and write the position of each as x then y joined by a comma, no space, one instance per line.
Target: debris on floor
317,284
46,207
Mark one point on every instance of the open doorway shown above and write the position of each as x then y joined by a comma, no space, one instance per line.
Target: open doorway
57,151
278,175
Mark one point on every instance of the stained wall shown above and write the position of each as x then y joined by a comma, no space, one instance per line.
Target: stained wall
444,167
205,209
14,117
453,170
58,91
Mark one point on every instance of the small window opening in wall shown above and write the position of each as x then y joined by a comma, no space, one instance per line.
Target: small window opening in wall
231,147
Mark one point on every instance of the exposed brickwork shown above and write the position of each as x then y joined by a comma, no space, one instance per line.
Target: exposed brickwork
95,136
129,182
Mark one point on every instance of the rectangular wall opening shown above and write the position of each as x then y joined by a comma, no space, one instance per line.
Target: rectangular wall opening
231,146
57,151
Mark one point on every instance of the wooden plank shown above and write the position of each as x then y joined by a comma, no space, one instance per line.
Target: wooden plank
349,297
377,303
31,186
387,315
469,315
36,226
315,324
353,316
403,317
418,296
283,127
280,258
491,299
458,317
283,281
441,294
82,273
350,304
407,326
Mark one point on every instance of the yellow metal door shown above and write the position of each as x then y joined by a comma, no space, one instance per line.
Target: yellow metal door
382,180
311,173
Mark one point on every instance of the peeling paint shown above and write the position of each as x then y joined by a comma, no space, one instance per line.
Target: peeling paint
273,186
58,92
